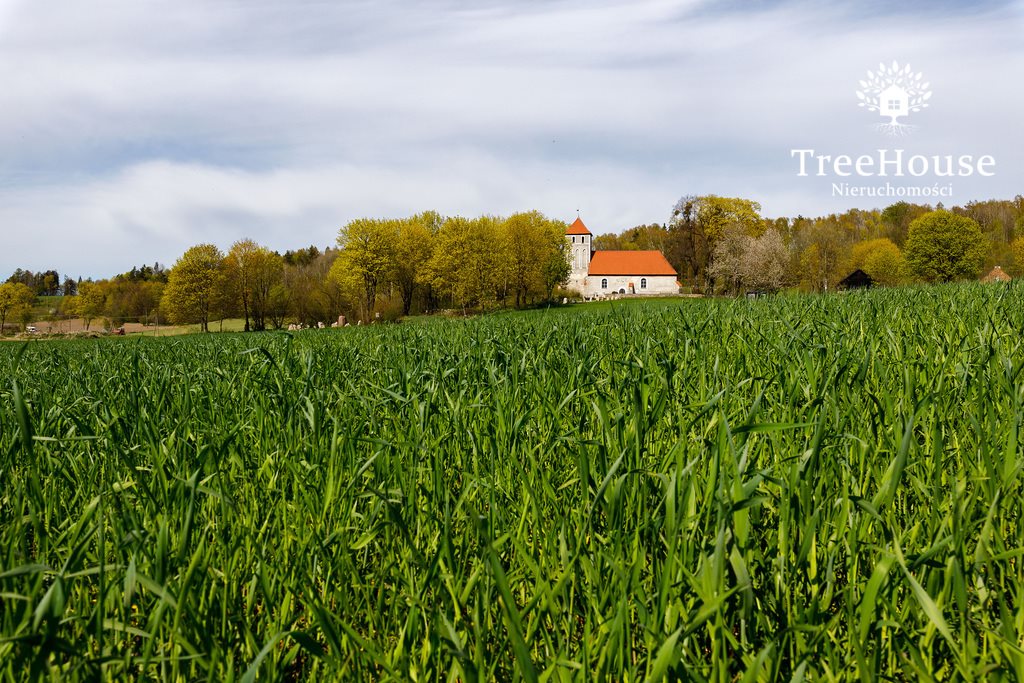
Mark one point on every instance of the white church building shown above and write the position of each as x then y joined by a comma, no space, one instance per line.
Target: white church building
604,273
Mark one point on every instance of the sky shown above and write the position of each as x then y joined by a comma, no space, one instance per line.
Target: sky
132,130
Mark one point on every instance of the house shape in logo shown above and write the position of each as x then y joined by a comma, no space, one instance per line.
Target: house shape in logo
894,92
893,102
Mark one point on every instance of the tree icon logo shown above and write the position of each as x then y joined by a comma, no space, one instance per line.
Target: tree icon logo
894,91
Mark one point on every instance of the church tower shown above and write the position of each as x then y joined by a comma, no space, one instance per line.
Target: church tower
580,246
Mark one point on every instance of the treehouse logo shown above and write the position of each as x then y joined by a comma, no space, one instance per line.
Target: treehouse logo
894,92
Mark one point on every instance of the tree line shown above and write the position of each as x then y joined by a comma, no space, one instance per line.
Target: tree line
387,268
724,244
381,267
378,269
430,262
44,283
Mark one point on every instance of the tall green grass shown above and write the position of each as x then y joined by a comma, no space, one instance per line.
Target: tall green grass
807,488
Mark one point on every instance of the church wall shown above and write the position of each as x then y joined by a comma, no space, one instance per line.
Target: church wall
656,285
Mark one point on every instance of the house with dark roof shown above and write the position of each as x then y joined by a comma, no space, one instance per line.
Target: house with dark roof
858,279
603,273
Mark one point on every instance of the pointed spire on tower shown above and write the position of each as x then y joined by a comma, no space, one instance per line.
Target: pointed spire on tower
578,228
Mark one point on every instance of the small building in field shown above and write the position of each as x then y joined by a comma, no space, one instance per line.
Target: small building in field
997,274
604,273
858,279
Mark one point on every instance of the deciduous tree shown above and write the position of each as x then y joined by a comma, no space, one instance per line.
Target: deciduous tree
313,296
70,287
942,247
1017,248
765,261
250,272
896,219
697,223
533,255
414,245
91,301
822,245
367,258
742,261
466,259
267,275
556,268
726,268
15,297
192,287
880,258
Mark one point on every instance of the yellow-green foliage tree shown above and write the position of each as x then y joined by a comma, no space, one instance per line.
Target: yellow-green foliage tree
14,299
91,301
414,246
367,259
468,262
822,249
194,286
881,259
942,247
250,273
809,266
130,300
715,214
533,253
239,266
466,265
1017,248
556,266
267,276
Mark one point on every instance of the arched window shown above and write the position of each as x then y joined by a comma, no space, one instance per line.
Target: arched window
643,283
604,283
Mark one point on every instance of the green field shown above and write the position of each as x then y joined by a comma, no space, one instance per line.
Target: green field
799,488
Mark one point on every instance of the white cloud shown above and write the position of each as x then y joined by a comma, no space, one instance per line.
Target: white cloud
154,211
132,130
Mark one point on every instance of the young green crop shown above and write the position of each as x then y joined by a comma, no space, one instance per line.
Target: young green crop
816,487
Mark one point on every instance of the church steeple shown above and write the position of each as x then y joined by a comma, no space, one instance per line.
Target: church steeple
580,244
578,228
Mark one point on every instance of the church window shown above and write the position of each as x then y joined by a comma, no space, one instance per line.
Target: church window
643,283
604,283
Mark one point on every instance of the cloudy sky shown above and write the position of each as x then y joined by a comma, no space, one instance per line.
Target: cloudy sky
131,130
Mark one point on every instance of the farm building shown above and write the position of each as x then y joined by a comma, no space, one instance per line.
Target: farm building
997,274
602,273
858,279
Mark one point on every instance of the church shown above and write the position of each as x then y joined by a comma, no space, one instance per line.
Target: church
604,273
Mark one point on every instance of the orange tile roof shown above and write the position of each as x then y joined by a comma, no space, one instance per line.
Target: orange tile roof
577,228
630,263
997,275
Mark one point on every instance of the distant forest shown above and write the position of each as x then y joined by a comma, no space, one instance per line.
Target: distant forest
386,268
